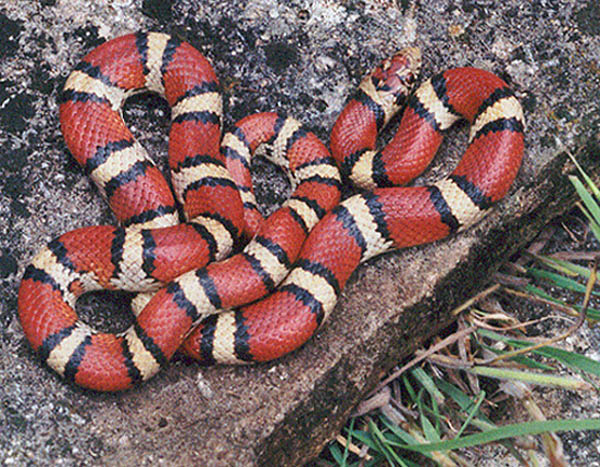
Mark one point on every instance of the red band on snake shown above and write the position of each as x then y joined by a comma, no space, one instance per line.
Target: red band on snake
299,258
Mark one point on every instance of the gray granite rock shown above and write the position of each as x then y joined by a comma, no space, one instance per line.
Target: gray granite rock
302,58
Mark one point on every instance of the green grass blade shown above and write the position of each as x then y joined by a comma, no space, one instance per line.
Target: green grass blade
409,389
482,422
464,401
570,359
508,431
558,280
404,435
385,444
348,441
566,267
366,438
591,313
428,429
590,183
472,412
594,227
587,199
337,455
427,382
590,208
564,382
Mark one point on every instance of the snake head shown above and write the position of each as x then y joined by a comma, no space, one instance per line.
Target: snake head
397,74
391,82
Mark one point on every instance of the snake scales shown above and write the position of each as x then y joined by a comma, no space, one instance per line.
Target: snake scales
284,283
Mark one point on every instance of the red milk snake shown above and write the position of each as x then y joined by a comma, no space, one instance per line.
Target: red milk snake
284,283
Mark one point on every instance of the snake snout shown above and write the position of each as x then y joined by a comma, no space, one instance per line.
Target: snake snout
397,74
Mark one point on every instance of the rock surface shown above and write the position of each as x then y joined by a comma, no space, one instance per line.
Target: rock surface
302,58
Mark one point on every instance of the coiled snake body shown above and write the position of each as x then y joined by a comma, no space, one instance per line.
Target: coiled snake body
284,283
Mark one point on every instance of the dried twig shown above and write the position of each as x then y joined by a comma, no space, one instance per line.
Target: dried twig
580,320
